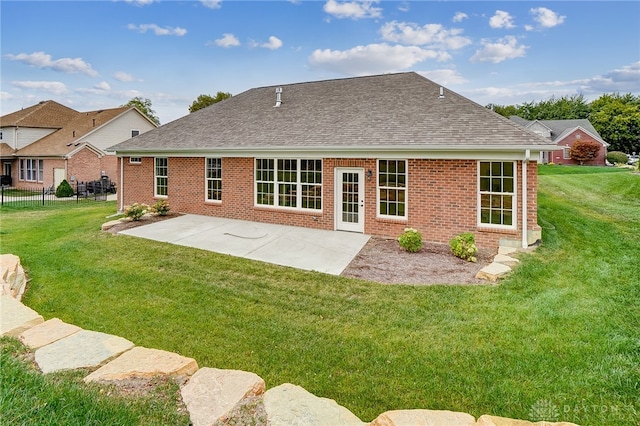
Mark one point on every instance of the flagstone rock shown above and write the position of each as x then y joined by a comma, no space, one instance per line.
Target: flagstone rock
84,349
16,317
507,250
487,420
423,418
143,363
47,333
289,404
211,393
493,272
108,225
506,260
13,279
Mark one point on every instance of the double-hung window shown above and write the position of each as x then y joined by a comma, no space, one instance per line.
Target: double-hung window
497,193
161,177
214,179
31,170
291,183
392,188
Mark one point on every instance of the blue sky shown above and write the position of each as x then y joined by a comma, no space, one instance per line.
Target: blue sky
99,54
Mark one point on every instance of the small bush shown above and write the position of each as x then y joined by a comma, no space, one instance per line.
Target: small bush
64,189
410,240
136,211
161,207
617,157
464,247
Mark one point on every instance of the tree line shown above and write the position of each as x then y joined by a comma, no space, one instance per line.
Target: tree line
616,117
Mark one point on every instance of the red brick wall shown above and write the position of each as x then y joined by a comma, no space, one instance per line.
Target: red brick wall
557,157
441,198
83,166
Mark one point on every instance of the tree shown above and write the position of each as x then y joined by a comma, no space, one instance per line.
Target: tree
617,118
584,151
564,108
205,100
504,110
144,106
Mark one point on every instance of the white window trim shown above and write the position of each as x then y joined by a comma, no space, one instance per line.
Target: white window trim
38,170
406,190
298,183
135,160
156,176
515,216
206,180
566,153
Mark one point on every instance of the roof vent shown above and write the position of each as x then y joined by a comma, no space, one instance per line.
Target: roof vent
441,93
278,97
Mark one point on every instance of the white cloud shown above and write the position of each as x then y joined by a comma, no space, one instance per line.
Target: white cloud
55,87
433,35
5,96
273,43
140,2
123,76
352,9
227,40
501,19
404,7
101,88
44,61
459,17
624,80
103,85
159,31
546,18
446,77
372,59
506,48
212,4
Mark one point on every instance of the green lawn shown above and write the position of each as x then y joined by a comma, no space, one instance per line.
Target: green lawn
562,331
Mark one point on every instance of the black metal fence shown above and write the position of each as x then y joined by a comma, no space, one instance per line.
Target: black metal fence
41,196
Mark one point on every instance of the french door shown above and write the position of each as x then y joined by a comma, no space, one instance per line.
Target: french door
349,190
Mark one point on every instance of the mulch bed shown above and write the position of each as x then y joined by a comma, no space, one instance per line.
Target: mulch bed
384,261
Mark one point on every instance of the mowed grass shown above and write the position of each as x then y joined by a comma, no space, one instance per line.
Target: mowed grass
30,398
562,332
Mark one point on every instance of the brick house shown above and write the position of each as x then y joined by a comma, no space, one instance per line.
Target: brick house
368,154
564,133
49,142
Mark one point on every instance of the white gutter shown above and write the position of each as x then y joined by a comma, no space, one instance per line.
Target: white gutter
525,216
121,189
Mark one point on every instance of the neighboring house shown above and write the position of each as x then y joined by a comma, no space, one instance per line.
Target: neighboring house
48,142
564,133
368,154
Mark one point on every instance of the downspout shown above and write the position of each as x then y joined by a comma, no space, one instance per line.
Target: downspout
527,155
121,189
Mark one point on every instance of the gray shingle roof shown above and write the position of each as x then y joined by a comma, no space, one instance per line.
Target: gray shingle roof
364,113
559,128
